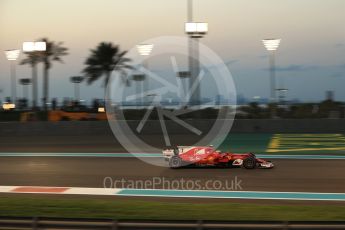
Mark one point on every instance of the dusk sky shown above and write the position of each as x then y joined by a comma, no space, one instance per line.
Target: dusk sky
310,60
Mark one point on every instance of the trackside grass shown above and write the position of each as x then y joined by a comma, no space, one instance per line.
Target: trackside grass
98,207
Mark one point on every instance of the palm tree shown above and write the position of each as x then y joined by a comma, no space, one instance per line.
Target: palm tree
103,60
54,52
32,58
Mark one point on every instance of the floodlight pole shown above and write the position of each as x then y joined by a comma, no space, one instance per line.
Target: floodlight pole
273,76
13,82
190,40
191,58
195,32
12,56
34,47
195,69
145,86
272,45
190,10
140,88
34,86
144,50
183,78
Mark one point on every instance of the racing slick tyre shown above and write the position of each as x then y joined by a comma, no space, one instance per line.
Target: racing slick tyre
249,163
175,162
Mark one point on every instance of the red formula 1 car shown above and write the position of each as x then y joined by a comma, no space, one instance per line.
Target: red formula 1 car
208,156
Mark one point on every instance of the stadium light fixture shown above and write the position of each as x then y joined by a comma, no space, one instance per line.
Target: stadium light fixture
196,29
12,55
271,44
144,49
34,46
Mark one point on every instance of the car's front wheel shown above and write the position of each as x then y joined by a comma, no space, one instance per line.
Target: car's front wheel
175,162
249,163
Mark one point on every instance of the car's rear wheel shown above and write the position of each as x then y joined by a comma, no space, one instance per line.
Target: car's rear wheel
249,163
175,162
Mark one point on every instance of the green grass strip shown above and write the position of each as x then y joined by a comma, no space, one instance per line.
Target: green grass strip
78,207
